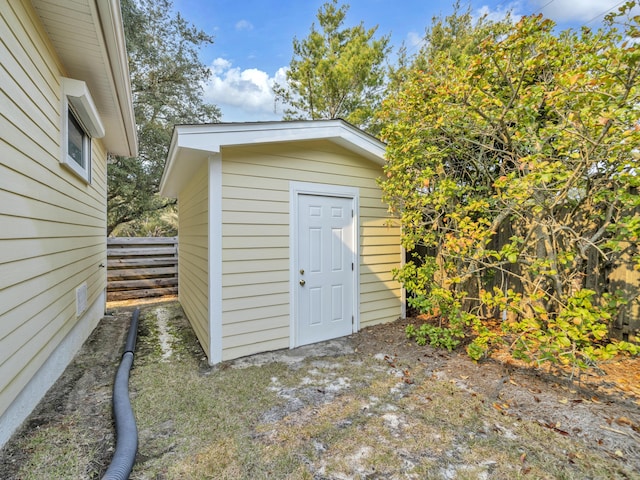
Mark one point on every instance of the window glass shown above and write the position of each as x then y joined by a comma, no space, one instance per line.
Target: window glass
76,141
80,123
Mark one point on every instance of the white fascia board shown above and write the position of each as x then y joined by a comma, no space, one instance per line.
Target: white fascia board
174,175
113,30
71,26
211,138
168,165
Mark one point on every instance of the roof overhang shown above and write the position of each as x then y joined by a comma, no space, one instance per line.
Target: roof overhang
88,37
193,144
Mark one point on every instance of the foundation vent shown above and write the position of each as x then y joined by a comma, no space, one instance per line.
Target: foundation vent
81,299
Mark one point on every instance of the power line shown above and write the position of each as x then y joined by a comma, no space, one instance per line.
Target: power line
539,10
606,11
544,6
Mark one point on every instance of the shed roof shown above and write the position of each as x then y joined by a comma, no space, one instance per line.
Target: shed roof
88,37
191,143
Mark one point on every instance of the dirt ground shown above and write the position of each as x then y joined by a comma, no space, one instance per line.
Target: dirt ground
602,410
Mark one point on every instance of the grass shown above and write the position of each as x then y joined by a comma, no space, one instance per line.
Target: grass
59,451
346,417
368,423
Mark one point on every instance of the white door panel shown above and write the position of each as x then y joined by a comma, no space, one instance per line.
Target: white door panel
325,268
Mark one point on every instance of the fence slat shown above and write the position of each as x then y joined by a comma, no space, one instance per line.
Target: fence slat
141,267
132,294
136,262
141,272
142,240
137,251
143,283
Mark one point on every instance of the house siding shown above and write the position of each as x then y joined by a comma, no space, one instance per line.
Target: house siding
255,239
193,247
53,223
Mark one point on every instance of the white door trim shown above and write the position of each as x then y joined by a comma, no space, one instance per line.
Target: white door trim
305,188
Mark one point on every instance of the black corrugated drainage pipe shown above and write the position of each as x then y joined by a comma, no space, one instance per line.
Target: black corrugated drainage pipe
126,430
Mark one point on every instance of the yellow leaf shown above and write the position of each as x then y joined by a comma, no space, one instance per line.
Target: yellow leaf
624,421
563,400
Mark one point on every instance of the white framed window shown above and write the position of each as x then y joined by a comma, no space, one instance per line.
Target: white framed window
80,123
78,147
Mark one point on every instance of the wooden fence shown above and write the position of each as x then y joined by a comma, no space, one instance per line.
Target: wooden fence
141,267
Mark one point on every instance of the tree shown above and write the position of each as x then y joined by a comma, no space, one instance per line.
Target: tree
456,36
336,72
530,137
166,79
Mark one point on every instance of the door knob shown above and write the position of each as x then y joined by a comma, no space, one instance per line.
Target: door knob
302,282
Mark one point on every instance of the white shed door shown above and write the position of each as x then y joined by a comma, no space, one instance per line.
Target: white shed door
325,275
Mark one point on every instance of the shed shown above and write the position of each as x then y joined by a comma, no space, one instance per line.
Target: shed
65,104
283,237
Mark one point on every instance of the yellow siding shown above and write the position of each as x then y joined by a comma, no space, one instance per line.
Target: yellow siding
193,267
53,224
255,242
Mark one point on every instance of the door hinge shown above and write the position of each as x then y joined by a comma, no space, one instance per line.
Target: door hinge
353,320
352,213
352,266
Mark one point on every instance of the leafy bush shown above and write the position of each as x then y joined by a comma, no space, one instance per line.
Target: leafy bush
512,154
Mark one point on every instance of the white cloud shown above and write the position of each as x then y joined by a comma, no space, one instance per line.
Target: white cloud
243,95
560,11
415,40
219,65
576,11
244,25
500,12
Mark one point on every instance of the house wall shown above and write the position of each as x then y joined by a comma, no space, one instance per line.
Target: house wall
255,239
53,224
193,246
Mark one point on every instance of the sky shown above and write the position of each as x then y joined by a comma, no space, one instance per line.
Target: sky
253,38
